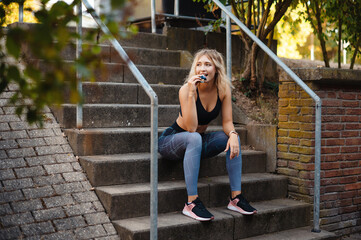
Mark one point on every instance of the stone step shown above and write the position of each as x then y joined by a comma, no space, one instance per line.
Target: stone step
115,115
213,191
303,233
147,40
140,39
100,141
103,170
126,93
138,55
161,74
120,73
273,215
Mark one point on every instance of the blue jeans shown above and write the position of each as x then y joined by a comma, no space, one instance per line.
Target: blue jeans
177,144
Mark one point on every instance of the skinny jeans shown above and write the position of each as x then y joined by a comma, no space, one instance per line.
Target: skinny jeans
176,144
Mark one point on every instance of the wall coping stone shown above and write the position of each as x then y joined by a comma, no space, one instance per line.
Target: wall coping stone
325,75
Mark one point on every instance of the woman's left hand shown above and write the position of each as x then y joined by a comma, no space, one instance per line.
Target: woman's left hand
233,144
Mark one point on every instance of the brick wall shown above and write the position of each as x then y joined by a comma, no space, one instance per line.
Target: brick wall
44,193
340,92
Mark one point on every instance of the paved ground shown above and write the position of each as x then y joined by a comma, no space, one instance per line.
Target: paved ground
43,191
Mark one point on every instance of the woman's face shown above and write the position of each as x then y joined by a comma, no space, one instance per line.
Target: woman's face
205,67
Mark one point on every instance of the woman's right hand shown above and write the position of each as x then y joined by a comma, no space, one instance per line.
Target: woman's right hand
192,83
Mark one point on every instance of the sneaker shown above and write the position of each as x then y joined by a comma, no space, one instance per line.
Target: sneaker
241,205
197,211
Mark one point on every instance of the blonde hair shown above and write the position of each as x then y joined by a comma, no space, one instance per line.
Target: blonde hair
221,79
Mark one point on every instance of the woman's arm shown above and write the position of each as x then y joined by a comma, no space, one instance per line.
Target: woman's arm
187,99
227,123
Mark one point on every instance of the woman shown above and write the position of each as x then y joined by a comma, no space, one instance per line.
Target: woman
205,93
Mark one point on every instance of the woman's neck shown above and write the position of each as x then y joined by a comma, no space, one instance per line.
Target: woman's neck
209,86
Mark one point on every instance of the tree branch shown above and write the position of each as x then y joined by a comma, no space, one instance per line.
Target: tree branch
320,37
355,53
264,18
249,14
235,10
277,17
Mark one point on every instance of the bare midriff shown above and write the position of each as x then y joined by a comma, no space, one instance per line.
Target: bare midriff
200,128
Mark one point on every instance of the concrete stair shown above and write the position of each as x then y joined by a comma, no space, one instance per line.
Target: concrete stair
139,55
104,170
113,149
213,190
273,215
99,141
116,115
296,234
126,93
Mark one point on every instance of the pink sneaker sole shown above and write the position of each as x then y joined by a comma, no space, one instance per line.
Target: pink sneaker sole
232,207
191,214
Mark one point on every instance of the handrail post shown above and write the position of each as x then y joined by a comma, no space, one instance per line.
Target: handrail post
21,12
176,8
309,91
79,48
317,180
154,171
154,123
152,15
229,47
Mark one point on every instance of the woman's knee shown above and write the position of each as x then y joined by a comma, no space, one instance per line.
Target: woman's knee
223,137
194,138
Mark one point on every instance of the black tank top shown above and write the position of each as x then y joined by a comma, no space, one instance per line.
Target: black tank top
204,117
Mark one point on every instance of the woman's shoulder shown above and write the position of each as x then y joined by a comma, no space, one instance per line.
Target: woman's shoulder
183,87
183,91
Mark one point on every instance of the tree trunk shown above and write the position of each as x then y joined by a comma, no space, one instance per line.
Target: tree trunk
253,80
319,34
265,61
247,71
355,53
339,40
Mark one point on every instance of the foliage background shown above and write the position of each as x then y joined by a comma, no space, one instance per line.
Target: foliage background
12,12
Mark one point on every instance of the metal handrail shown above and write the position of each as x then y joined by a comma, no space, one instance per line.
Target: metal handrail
231,16
316,205
154,118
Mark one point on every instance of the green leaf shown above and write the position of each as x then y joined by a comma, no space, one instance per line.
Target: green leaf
19,110
32,115
117,3
113,27
13,73
4,81
13,41
96,49
33,73
2,12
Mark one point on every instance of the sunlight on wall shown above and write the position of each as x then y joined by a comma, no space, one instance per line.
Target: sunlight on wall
292,34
